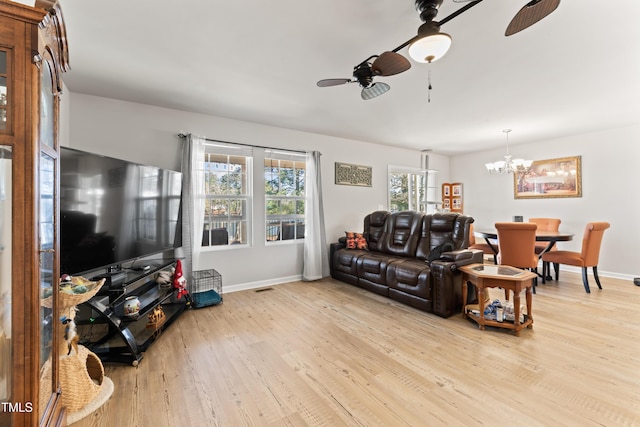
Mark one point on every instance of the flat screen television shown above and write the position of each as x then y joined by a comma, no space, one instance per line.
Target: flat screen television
113,211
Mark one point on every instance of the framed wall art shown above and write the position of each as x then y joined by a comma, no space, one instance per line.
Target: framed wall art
349,174
452,197
550,178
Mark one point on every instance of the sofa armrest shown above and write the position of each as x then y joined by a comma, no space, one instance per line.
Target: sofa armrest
460,257
447,281
333,247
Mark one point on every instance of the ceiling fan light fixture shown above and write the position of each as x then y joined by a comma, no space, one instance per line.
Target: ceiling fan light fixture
431,44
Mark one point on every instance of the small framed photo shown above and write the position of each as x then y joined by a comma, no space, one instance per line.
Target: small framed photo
456,190
446,204
457,203
446,190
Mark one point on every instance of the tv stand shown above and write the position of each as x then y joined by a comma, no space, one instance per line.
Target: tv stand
106,330
113,278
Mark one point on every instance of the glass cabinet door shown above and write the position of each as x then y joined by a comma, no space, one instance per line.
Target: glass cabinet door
5,276
47,241
3,90
47,254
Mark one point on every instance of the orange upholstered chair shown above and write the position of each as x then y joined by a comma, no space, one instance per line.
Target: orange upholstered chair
484,247
516,245
546,224
588,257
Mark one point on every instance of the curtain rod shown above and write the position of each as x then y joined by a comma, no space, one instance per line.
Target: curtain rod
184,135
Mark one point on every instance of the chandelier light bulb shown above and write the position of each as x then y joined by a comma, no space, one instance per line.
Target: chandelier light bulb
509,165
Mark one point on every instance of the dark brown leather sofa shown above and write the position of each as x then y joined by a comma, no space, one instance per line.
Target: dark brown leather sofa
396,265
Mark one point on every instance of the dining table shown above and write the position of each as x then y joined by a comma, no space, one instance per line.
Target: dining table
550,237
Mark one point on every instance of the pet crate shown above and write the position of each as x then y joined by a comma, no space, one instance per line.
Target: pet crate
206,289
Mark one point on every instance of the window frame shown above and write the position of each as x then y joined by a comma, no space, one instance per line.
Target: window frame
240,235
294,223
421,199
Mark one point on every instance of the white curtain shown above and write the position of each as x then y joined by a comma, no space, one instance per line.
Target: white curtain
316,258
192,203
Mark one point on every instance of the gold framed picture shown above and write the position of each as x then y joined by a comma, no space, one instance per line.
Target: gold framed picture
550,178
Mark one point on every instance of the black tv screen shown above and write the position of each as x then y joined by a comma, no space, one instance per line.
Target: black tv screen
113,211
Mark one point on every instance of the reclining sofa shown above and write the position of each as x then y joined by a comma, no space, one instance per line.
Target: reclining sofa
397,263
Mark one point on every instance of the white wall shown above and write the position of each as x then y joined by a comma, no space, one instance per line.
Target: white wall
609,192
148,135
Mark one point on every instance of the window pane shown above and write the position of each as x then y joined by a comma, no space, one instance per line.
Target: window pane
273,230
300,181
237,207
273,207
287,207
284,201
227,186
407,190
219,208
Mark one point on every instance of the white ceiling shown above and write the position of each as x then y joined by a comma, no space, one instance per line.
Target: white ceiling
576,71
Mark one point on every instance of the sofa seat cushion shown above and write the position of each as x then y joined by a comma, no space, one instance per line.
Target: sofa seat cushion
411,276
345,260
372,266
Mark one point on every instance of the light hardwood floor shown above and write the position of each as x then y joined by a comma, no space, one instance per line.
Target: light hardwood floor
330,354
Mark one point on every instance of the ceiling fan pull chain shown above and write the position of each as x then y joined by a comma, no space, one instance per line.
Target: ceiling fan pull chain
430,87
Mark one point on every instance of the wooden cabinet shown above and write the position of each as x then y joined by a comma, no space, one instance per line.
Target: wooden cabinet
33,56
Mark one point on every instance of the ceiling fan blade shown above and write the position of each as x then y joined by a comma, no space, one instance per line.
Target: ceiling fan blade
531,13
390,63
374,90
332,82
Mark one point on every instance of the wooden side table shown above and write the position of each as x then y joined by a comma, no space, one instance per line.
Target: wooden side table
498,276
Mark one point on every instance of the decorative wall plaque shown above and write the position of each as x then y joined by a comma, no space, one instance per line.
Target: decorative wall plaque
348,174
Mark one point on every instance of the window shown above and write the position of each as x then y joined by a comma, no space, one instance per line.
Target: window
409,190
284,181
227,217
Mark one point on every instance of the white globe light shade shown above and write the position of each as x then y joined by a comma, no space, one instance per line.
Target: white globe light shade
430,48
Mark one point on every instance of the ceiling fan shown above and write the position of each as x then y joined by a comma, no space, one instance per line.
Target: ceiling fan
429,44
385,64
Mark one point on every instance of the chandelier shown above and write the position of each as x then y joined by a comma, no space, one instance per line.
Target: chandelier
509,165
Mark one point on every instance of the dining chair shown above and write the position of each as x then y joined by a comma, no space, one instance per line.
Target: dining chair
516,246
546,224
588,257
484,247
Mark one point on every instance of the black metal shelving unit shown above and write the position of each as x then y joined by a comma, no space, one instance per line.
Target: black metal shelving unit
114,337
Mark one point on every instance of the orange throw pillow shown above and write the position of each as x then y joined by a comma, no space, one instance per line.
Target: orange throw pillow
356,241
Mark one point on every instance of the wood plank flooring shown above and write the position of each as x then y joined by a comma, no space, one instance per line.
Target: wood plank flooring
330,354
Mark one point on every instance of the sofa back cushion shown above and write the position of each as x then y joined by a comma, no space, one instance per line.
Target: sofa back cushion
373,229
401,233
441,228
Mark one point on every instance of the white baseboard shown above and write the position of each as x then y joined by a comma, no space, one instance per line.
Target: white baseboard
601,273
260,284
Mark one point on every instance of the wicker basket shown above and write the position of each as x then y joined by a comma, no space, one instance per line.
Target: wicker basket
81,376
71,300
